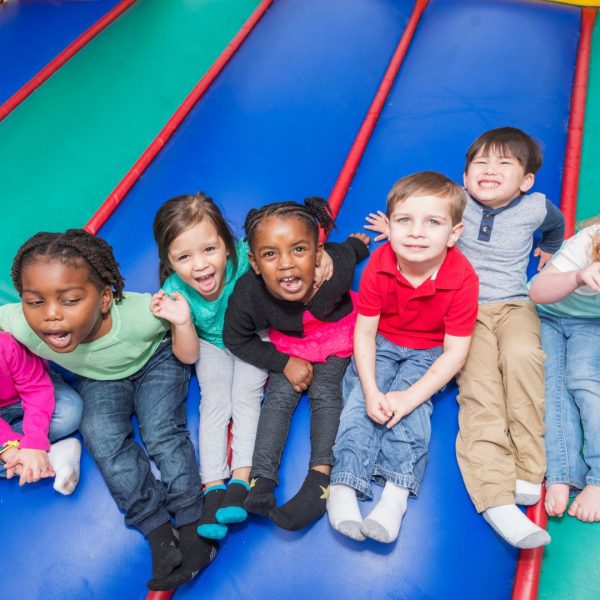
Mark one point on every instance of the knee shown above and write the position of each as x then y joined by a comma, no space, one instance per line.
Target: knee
68,411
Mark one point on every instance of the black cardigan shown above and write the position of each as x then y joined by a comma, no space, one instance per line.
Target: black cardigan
252,308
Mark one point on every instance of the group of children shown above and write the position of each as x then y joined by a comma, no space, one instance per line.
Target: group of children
445,296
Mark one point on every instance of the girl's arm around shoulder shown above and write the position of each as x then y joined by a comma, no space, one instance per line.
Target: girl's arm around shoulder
176,310
443,369
552,285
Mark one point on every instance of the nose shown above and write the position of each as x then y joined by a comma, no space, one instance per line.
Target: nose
416,229
199,263
52,311
285,261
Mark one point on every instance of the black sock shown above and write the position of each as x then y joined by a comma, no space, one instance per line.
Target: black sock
232,508
260,499
306,506
165,552
208,526
197,554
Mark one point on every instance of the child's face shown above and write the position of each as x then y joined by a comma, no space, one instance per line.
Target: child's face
199,257
285,254
420,231
62,306
494,180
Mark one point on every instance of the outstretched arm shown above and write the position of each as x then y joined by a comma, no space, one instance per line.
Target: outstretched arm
553,285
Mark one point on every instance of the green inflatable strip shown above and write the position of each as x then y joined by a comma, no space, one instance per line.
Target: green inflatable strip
569,568
67,146
588,204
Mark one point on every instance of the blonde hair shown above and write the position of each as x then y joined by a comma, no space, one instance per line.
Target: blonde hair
595,237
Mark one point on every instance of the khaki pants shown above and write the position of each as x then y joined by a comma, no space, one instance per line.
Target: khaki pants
501,400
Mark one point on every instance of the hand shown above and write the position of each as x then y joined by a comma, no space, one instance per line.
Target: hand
10,458
377,407
299,373
174,308
590,276
544,257
363,237
378,223
35,465
324,272
401,404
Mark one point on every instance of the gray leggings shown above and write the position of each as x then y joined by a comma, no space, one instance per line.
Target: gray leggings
325,396
231,389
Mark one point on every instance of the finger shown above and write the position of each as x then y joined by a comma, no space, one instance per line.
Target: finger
537,252
10,472
371,227
394,420
381,214
23,478
380,237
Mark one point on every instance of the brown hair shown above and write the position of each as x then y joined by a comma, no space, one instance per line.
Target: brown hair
428,183
508,141
179,214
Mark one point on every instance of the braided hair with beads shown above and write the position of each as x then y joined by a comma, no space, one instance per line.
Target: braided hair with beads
72,247
315,212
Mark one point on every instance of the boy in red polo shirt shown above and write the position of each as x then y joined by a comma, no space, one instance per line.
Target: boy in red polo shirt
416,312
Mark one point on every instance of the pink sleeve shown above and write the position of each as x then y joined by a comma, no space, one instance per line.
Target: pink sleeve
35,389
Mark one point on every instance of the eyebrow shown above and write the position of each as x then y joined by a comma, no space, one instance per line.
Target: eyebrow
268,246
59,291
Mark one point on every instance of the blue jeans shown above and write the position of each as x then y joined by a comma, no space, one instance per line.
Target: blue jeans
365,450
65,419
572,419
156,395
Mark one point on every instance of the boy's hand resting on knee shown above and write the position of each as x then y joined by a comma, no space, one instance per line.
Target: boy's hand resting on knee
299,373
378,408
400,406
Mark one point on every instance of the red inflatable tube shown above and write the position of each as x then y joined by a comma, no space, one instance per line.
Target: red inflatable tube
63,57
118,194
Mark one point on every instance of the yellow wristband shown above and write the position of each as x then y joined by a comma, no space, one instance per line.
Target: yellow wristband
9,444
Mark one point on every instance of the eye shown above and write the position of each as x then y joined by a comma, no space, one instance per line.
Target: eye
182,258
268,254
434,222
209,249
70,301
401,220
33,303
300,249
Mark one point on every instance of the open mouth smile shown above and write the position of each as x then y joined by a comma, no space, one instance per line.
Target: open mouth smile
58,339
291,284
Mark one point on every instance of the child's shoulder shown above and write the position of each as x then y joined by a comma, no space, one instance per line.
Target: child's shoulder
456,269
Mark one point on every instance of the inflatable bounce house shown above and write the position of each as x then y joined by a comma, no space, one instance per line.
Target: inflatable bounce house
110,107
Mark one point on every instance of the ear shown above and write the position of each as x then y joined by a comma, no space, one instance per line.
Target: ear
319,255
455,234
107,300
253,263
527,183
465,179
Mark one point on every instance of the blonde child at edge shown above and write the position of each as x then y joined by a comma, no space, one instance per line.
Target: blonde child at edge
568,296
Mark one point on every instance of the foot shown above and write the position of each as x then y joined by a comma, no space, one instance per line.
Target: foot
65,457
166,555
308,505
586,506
527,493
343,511
232,508
515,528
383,522
557,498
208,526
260,499
197,554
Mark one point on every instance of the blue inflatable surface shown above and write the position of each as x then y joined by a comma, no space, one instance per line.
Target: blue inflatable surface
276,125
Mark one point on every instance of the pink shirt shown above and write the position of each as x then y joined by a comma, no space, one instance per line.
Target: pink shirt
24,377
321,340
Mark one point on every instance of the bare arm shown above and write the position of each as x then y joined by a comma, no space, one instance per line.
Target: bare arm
364,356
443,369
553,285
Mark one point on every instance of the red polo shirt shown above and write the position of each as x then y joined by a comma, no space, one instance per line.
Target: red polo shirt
419,317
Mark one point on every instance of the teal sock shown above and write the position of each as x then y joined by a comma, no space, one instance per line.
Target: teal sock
207,525
232,508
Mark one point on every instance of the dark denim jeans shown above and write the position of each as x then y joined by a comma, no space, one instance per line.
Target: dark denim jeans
325,397
65,419
156,395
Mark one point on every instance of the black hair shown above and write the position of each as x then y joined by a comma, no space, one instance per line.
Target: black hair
72,247
314,212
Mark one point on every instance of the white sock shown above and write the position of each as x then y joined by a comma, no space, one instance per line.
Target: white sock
527,493
64,457
383,522
511,524
343,511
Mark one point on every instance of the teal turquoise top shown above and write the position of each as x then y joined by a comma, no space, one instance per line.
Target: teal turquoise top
574,254
208,317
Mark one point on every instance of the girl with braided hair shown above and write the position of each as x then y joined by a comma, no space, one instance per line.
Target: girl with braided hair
310,333
74,312
200,263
